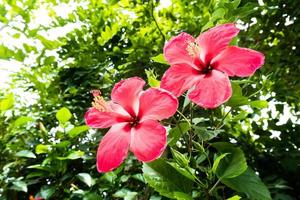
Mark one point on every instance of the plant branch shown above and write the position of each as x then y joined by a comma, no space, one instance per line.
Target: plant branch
222,120
186,119
214,186
152,15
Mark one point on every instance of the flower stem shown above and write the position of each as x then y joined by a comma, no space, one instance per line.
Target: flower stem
214,186
222,120
184,117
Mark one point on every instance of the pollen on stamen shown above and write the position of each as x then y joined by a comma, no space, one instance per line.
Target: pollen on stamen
193,48
99,102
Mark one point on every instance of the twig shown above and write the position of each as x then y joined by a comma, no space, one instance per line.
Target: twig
224,117
152,15
213,187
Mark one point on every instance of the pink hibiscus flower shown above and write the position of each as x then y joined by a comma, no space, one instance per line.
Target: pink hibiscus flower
133,116
205,63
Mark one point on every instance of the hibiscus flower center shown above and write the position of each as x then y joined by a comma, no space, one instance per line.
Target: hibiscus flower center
134,122
207,69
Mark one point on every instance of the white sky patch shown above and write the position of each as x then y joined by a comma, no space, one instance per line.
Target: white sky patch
275,134
261,2
288,21
131,14
163,4
242,25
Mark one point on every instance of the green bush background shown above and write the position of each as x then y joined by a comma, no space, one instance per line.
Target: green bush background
45,147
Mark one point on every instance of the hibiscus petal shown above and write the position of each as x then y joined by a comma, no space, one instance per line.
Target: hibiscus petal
113,147
215,40
157,104
148,140
175,50
126,94
235,61
212,90
179,78
119,110
97,119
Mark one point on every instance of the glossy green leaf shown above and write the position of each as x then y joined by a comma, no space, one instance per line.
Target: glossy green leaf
48,44
41,148
250,184
235,197
259,104
175,133
217,161
182,196
86,178
7,102
19,185
152,81
218,14
73,155
74,132
186,171
233,164
46,192
160,59
22,121
237,98
204,134
126,194
165,179
63,115
180,158
26,154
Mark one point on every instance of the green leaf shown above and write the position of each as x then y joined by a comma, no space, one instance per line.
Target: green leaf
6,53
165,179
46,192
160,59
110,177
107,34
218,14
74,132
235,197
175,133
152,81
48,44
185,171
41,148
86,178
205,134
112,2
91,196
237,98
125,194
19,186
181,159
7,102
73,156
236,3
63,115
217,161
207,26
233,164
259,104
22,121
182,196
26,154
250,184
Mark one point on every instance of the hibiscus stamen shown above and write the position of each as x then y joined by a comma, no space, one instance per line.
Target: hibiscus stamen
193,48
134,122
99,102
